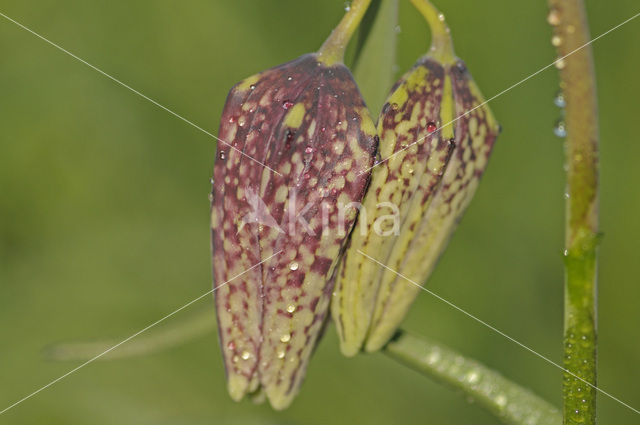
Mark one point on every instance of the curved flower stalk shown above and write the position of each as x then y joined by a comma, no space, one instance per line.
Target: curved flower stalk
307,123
436,138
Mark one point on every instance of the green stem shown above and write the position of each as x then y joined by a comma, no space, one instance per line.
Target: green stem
155,340
507,400
441,42
568,18
332,51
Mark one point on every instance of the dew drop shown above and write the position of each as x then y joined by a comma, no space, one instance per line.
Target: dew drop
501,400
242,121
291,308
431,127
252,86
472,377
556,41
289,78
289,136
559,99
285,338
211,180
210,197
281,354
293,266
309,149
560,63
560,129
246,355
347,6
397,29
394,106
222,155
231,345
433,357
232,120
235,359
287,104
441,17
553,18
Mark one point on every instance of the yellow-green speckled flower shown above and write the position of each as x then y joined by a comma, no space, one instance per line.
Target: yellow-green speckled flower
435,139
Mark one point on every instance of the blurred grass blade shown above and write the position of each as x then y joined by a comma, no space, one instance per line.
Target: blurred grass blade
155,340
509,401
376,60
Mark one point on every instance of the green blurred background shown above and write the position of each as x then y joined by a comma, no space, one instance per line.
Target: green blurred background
104,212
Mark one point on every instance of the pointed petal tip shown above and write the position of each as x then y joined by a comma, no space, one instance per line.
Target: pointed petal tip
237,386
349,349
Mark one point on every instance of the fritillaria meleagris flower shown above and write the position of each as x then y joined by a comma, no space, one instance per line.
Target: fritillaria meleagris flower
298,137
436,136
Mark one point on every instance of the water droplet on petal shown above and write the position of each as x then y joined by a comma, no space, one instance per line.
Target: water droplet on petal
309,149
246,355
291,308
431,127
287,104
347,6
556,41
231,345
441,17
293,266
281,354
560,63
285,338
222,155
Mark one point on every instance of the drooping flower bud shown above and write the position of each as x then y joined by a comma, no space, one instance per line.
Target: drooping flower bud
298,135
436,137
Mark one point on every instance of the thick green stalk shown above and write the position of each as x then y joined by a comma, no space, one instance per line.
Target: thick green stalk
332,51
568,19
510,402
